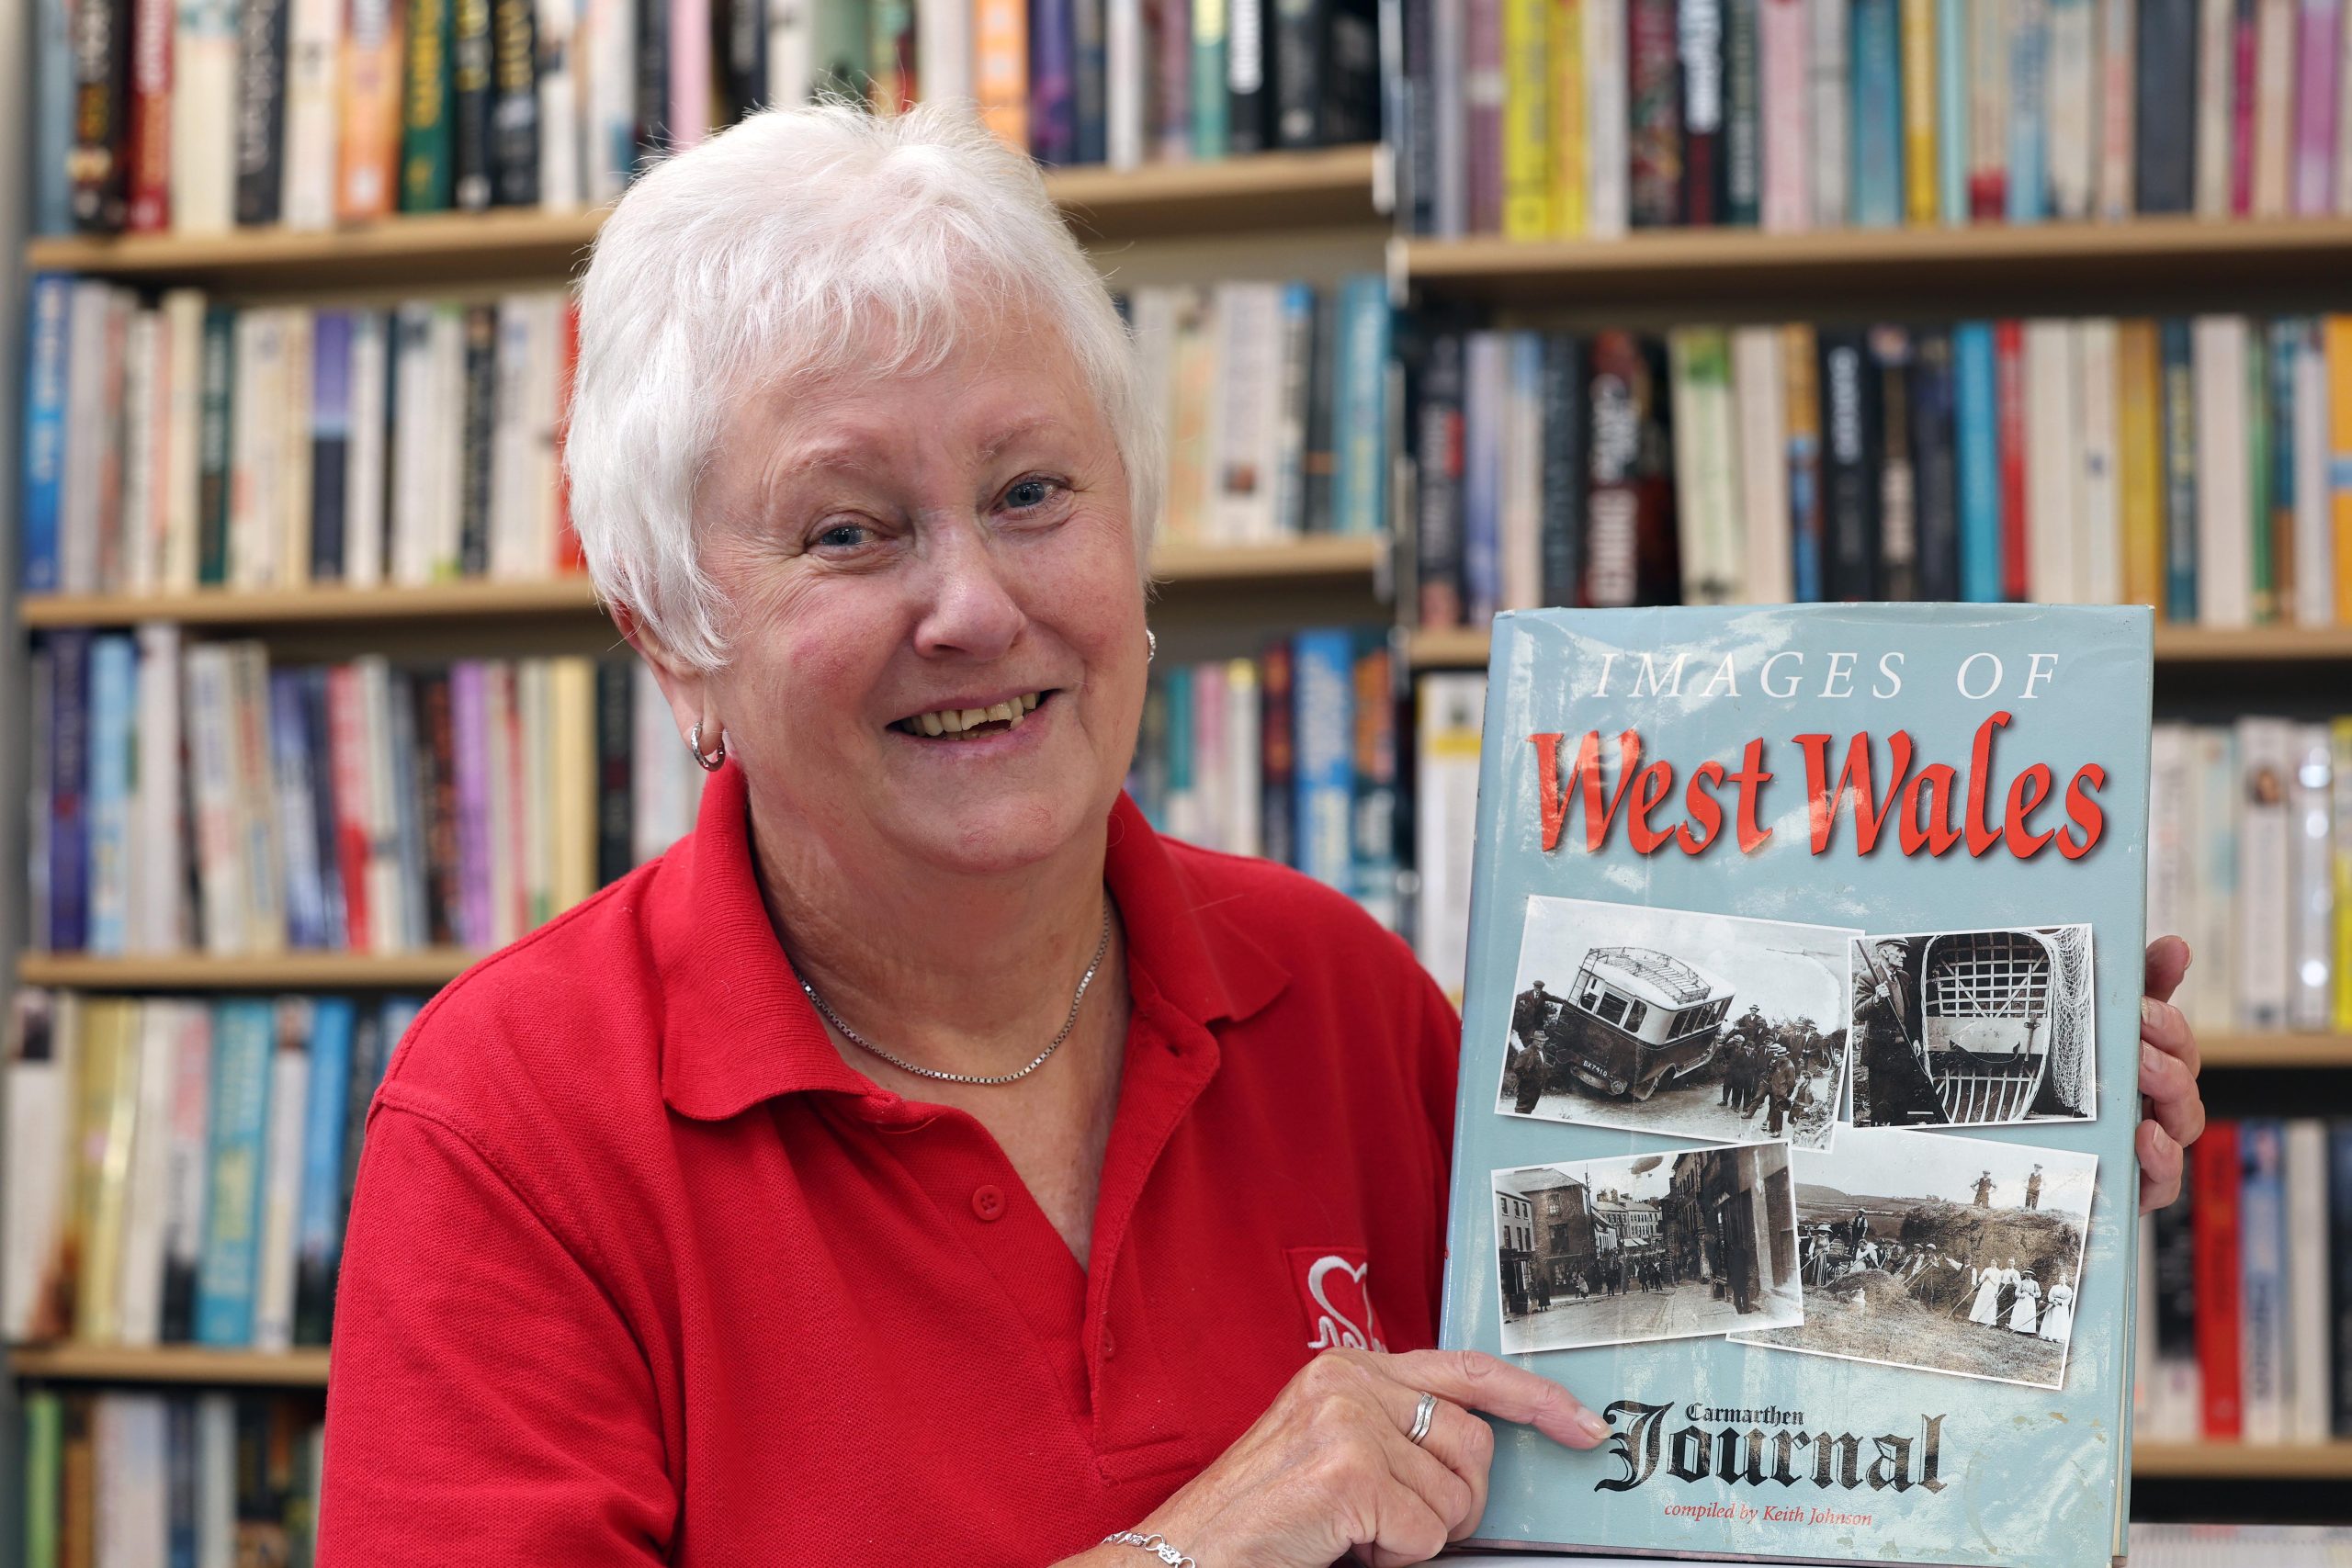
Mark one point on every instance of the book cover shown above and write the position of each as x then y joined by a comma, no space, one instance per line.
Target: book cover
2165,153
1877,141
2262,1256
2214,1165
1752,854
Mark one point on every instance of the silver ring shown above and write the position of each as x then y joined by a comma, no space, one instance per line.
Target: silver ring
1424,1413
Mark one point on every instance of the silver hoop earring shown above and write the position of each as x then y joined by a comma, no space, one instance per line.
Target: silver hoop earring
712,760
1150,645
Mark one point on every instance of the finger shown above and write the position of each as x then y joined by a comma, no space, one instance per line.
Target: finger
2171,1095
2161,1163
1448,1494
1486,1383
1405,1529
2165,1027
2167,961
1460,1442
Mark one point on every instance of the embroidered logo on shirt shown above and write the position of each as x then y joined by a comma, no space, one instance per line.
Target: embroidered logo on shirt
1333,1288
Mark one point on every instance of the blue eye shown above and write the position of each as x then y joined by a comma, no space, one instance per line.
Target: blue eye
842,536
1029,494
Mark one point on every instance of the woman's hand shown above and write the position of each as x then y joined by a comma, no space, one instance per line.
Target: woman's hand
2168,1077
1327,1468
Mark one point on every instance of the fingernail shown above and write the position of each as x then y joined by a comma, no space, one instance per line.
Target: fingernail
2151,1010
1593,1426
2148,1058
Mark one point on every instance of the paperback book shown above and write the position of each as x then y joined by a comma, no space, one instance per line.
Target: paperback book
1799,1077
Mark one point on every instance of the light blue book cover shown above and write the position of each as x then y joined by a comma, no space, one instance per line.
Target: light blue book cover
45,363
2028,191
229,1273
1878,113
1977,418
1951,112
2262,1263
1799,1077
1359,484
114,738
1485,398
1323,742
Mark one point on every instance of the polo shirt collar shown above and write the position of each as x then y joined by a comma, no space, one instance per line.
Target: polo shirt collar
737,1029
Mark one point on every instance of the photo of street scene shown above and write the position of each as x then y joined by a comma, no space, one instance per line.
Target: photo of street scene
1646,1246
1941,1254
1974,1029
1674,1021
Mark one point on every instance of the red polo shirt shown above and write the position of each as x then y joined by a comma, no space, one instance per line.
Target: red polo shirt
639,1271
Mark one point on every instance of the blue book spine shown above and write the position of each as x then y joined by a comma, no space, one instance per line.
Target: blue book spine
53,124
1360,485
291,761
1977,421
1181,725
1483,395
180,1486
229,1273
336,933
2339,1255
1290,480
1878,113
1325,708
114,732
318,1230
330,335
69,778
1951,112
2262,1260
2287,336
1053,85
45,364
2028,194
2179,440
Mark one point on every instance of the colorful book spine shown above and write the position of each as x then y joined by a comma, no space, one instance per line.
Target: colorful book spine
1801,399
1743,87
2139,476
1359,484
1922,181
427,171
2008,354
1787,152
1570,134
1209,19
1528,123
1952,132
229,1274
2319,62
1654,115
1877,147
2029,165
2262,1248
2215,1166
1324,674
319,1235
2163,124
113,681
2336,335
1699,44
46,358
2180,407
69,823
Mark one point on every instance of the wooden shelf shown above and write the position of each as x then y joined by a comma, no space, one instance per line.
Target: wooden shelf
2177,647
1289,190
1865,267
1315,555
171,1364
427,970
2275,1050
2248,1461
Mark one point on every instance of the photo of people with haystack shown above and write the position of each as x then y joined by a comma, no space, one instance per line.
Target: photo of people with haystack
1939,1253
1972,1028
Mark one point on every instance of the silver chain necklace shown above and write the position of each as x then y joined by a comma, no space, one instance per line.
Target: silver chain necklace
1101,946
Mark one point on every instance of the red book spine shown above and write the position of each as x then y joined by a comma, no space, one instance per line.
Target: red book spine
2213,1211
2243,57
568,554
150,117
1652,115
347,761
2008,351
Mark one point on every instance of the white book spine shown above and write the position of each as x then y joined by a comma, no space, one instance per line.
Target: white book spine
1988,101
147,1199
2118,36
2308,1318
2224,500
1829,94
1759,390
1522,533
513,511
1607,197
607,117
204,112
2312,978
314,117
1249,381
944,57
213,794
1127,86
540,397
2072,83
184,324
2100,491
363,488
144,374
39,1116
258,457
290,1101
2274,107
87,436
2216,75
2213,863
264,866
294,486
2266,752
188,1159
1446,790
557,23
159,870
1244,782
2052,462
792,52
2316,563
1212,820
448,438
416,457
1788,153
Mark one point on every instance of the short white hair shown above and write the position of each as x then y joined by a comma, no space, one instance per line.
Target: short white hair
806,242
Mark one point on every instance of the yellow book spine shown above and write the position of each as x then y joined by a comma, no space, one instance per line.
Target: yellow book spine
1919,182
1527,121
110,1100
2340,765
1570,150
2339,457
2140,462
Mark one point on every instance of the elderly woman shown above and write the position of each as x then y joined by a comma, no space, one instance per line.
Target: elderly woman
924,1160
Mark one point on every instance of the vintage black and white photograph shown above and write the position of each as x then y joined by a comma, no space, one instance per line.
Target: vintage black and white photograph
1646,1246
1941,1254
1676,1022
1974,1029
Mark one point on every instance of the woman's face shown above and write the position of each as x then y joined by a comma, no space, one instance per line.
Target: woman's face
908,563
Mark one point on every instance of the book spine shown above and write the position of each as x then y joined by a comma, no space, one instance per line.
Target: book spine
2164,149
2215,1166
2282,344
261,110
2244,54
1850,484
318,1227
1170,91
1567,458
1528,143
1988,111
1053,86
149,140
1090,85
1439,450
1000,67
1889,375
2223,480
2052,437
2213,55
2097,489
1210,20
1570,131
330,441
1654,107
2118,28
1801,402
44,449
1372,778
2029,93
1936,465
1294,393
212,799
290,1099
291,761
313,67
69,823
1324,737
1743,85
2008,350
1482,111
2338,1253
1699,45
427,166
1359,488
1829,103
367,139
1878,113
1607,85
2314,597
2071,92
2319,62
473,99
615,808
2178,395
2262,1256
2140,461
347,761
1483,394
436,806
100,164
1922,184
1787,153
1977,432
2311,792
228,1275
2339,736
1246,52
1954,136
2336,337
113,707
514,142
325,856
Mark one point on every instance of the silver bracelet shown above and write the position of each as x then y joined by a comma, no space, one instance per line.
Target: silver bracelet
1154,1543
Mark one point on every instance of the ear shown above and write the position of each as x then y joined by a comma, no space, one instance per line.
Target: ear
684,687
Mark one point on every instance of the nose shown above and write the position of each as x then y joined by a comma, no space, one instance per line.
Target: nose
969,608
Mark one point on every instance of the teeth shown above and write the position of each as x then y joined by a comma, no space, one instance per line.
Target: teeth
963,721
1001,711
932,723
1019,713
974,718
1029,702
951,720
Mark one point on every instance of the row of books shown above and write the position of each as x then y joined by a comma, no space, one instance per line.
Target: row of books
192,442
2250,859
180,1170
2244,1330
1537,119
2201,465
1291,755
201,118
147,1479
190,799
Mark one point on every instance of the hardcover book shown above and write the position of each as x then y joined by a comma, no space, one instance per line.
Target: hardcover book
1799,1077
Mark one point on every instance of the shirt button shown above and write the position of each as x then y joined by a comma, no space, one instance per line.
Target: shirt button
987,1203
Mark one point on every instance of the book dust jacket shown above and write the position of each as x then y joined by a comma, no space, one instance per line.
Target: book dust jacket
1800,1076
